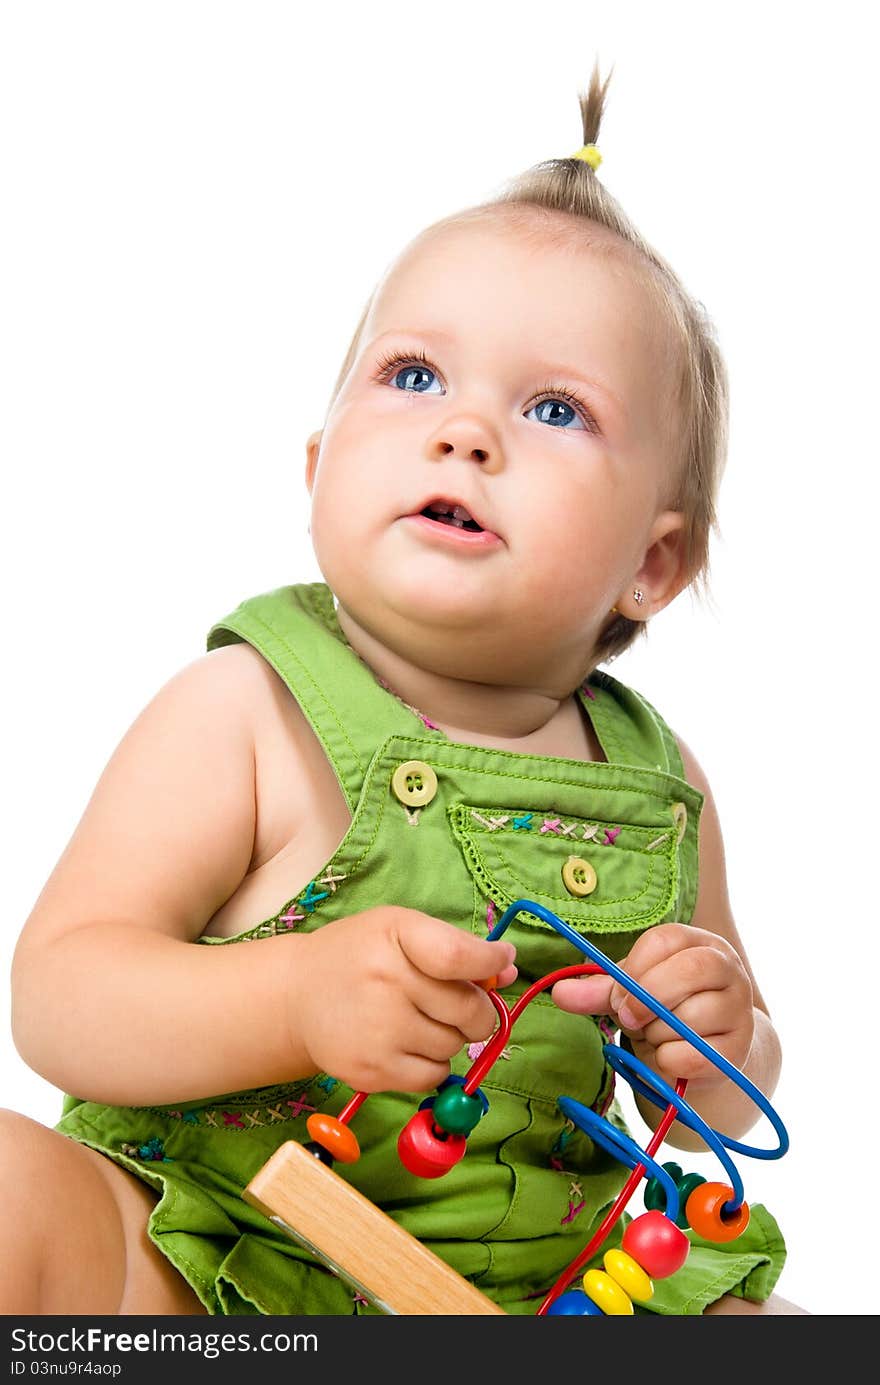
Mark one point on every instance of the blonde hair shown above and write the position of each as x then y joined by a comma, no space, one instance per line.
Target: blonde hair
571,186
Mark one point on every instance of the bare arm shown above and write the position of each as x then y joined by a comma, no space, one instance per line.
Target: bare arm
718,1100
115,1001
112,1000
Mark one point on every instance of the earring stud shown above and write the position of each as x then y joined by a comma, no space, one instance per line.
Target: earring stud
638,596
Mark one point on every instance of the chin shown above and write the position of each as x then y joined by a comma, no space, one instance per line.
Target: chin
439,607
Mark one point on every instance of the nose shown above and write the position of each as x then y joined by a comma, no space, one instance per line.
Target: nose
468,436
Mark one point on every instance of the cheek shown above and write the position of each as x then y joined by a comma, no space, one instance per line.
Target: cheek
580,556
329,517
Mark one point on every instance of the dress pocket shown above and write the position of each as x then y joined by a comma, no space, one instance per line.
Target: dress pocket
600,877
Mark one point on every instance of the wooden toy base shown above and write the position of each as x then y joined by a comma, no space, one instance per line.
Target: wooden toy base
348,1233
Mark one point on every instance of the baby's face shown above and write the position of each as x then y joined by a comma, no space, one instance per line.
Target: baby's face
495,466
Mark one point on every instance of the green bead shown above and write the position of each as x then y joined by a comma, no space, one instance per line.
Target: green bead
455,1111
654,1196
686,1186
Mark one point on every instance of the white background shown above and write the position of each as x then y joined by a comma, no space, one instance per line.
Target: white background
197,201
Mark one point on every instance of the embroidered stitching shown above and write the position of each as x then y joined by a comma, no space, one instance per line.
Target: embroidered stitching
666,887
649,780
574,1207
152,1151
474,1050
222,1118
328,878
549,826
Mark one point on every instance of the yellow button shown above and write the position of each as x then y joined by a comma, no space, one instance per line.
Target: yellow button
414,783
680,818
578,876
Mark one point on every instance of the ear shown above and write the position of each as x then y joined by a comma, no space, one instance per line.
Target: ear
313,448
663,572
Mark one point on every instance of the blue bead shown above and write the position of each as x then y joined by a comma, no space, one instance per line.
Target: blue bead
576,1304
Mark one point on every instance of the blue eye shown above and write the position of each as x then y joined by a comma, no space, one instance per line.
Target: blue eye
557,412
417,379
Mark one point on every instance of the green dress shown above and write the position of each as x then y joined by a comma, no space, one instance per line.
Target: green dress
460,832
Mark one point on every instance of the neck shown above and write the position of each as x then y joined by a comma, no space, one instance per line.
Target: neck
523,718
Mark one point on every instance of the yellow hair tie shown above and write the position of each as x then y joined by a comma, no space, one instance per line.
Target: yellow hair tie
590,155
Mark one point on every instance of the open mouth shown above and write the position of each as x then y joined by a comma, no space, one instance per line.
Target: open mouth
443,512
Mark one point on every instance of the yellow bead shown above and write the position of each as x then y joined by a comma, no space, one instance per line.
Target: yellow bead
607,1294
628,1273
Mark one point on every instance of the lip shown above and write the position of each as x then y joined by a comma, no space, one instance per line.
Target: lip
447,535
451,501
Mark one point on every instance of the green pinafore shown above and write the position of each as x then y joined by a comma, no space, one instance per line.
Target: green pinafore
457,831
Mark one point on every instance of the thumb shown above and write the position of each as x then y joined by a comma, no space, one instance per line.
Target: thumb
584,995
441,950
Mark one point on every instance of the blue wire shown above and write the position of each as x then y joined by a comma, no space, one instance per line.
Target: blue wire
620,1063
621,1146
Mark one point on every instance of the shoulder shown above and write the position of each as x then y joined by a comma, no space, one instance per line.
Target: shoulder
710,827
292,774
235,670
226,691
232,697
693,770
239,675
241,671
712,898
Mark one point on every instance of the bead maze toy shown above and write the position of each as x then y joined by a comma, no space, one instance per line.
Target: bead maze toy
299,1191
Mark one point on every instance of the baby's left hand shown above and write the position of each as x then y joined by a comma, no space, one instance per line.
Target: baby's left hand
699,977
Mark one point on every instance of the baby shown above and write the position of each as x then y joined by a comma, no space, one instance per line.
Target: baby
517,470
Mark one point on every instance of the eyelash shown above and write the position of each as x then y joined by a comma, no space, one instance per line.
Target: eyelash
395,360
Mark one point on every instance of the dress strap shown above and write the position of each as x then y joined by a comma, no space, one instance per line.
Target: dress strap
296,630
629,729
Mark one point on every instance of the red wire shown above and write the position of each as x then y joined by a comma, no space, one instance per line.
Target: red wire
616,1208
508,1018
352,1105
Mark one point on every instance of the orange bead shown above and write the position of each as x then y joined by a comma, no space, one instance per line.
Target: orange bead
334,1136
490,984
703,1211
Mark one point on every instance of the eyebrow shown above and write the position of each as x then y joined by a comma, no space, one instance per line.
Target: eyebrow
540,367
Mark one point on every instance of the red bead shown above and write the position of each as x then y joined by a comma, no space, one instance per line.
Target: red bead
657,1244
427,1151
703,1210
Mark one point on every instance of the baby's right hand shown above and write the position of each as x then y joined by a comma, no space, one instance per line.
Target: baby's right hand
388,996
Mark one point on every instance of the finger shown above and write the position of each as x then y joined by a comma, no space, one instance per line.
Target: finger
415,1073
436,1042
461,1006
441,950
678,1058
671,980
501,979
709,1012
584,995
651,949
